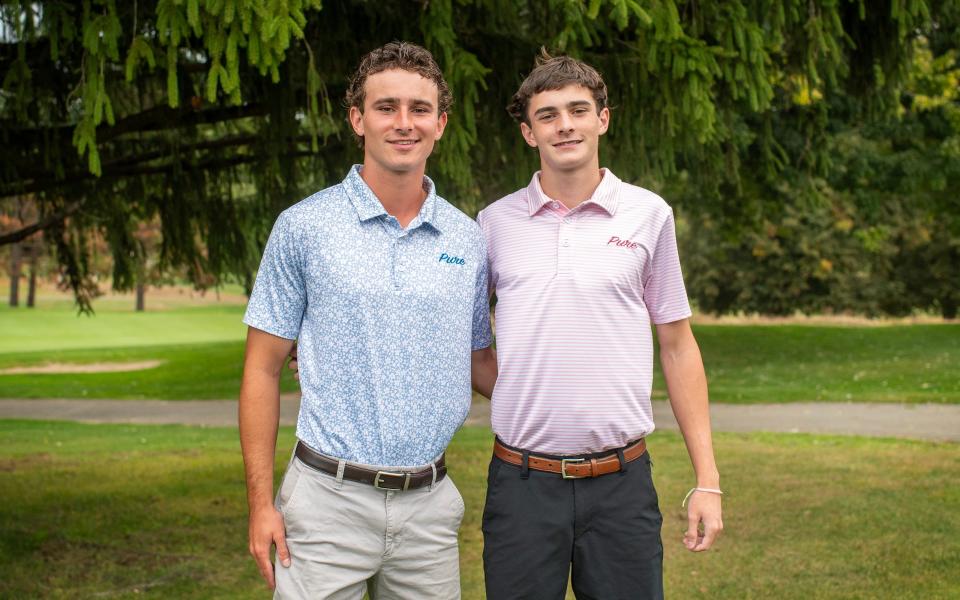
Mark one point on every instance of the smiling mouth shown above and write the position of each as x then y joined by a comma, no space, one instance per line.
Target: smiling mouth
568,144
404,142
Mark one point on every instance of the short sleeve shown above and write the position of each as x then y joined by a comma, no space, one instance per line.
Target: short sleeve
663,291
482,336
279,295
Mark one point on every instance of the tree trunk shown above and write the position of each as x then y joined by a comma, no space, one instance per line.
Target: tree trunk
32,286
948,307
141,292
15,265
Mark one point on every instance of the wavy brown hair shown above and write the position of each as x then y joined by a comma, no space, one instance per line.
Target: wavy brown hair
553,73
397,55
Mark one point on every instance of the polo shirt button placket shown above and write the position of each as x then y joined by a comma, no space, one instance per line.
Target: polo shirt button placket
397,265
565,251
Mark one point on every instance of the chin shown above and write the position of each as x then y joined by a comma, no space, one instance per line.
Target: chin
404,166
568,165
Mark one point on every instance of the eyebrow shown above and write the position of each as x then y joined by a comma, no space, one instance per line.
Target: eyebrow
573,104
415,101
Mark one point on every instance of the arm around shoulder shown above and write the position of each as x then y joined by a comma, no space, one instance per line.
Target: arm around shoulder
483,370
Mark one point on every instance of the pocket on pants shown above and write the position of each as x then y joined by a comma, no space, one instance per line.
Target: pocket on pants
288,486
457,505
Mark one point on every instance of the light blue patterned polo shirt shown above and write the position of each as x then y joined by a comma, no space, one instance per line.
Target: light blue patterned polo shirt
385,320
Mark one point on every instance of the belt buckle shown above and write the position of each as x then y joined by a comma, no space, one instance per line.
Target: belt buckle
377,481
563,468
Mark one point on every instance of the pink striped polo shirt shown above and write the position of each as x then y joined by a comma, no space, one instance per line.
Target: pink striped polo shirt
576,293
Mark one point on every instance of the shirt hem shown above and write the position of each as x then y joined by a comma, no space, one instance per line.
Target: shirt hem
671,318
266,328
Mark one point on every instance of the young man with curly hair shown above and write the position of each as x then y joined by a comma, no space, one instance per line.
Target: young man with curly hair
384,286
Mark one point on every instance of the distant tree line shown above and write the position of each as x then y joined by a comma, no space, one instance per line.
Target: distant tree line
873,229
809,146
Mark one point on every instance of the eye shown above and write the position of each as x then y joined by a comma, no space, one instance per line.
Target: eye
546,117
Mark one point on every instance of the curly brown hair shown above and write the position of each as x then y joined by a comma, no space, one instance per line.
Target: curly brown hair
553,73
397,55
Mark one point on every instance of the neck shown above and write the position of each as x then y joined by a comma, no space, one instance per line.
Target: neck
401,194
571,187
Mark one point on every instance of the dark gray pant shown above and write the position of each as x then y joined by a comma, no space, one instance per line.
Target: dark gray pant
536,525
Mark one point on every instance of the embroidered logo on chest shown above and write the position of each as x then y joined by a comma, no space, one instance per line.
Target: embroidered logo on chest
616,241
451,260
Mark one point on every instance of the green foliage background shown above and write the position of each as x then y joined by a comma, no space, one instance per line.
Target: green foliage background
809,147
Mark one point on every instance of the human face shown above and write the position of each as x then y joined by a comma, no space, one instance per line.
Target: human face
566,128
400,121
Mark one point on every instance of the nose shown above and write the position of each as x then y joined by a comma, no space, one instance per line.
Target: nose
565,122
403,121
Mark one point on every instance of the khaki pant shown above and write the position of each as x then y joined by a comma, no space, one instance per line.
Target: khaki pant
344,536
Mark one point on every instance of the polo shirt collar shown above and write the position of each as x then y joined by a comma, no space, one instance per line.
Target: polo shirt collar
368,206
605,196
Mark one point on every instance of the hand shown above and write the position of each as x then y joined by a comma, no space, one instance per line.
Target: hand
266,529
292,365
703,510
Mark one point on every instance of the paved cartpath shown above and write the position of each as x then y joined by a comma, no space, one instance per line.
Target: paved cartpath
939,422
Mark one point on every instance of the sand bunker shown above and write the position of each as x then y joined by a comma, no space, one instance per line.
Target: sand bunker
101,367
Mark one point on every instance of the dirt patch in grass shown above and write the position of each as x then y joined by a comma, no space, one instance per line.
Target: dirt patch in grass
22,463
98,367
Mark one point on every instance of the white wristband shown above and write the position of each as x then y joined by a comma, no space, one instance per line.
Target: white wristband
699,489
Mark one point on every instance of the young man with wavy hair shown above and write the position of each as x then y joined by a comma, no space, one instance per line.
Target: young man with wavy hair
581,264
383,284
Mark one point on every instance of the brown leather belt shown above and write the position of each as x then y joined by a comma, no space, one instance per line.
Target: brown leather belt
572,468
383,480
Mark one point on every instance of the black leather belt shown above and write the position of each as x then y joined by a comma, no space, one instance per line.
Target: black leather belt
382,480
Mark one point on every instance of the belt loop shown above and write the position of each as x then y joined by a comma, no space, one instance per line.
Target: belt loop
341,465
623,462
525,465
433,467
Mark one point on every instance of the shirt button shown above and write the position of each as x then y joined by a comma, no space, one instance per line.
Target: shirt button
555,204
567,221
566,243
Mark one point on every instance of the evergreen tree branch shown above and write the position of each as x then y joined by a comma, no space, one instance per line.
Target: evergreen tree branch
57,218
133,170
158,118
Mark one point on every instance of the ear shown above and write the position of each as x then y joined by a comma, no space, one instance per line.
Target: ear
527,134
604,120
441,125
356,120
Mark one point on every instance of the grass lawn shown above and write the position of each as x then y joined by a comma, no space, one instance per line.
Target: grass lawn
36,331
189,372
787,363
202,348
120,511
